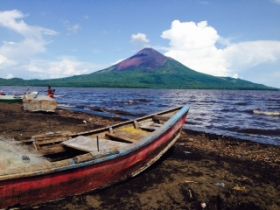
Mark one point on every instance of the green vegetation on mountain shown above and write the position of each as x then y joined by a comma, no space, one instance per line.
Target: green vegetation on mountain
146,69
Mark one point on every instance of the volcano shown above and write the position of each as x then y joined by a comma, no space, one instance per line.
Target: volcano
148,68
147,58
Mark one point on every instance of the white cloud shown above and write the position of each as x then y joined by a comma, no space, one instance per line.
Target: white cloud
20,58
33,38
63,67
140,38
246,55
3,59
13,19
195,45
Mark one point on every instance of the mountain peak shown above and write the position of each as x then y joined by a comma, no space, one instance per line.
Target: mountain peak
148,51
147,58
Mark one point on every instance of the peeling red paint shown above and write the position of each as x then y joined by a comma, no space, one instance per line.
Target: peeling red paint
40,189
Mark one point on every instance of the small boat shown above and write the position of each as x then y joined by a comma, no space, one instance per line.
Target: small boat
86,161
10,99
37,103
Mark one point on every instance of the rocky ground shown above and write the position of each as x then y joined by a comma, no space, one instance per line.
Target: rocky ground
199,172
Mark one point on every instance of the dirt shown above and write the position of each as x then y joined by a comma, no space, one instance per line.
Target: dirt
199,171
21,125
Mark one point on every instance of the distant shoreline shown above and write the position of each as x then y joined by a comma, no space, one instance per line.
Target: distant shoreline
153,88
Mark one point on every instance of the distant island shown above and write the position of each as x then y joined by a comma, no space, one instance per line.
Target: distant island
146,69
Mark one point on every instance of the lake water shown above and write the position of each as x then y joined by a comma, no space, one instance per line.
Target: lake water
247,115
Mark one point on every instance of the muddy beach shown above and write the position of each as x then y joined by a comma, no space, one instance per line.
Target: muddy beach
199,171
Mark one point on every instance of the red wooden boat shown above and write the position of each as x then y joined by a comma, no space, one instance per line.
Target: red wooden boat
78,163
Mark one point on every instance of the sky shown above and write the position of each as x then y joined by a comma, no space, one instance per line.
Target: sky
60,38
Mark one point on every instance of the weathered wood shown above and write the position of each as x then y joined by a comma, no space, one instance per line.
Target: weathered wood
82,143
92,155
140,119
88,144
50,141
97,143
48,150
156,125
136,124
52,135
160,118
83,158
150,126
120,138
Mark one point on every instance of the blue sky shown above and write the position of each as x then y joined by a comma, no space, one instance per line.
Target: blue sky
55,38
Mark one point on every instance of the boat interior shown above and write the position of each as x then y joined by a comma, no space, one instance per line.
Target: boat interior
62,149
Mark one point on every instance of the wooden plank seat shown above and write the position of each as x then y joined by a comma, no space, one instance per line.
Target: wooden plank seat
91,144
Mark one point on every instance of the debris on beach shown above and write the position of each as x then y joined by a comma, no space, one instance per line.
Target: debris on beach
190,181
203,205
240,188
220,184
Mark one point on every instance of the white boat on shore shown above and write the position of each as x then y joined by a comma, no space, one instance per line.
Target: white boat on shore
10,99
34,102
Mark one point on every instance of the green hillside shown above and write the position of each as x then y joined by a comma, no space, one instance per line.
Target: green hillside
171,75
168,73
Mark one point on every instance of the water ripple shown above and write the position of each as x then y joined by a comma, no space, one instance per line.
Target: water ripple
248,115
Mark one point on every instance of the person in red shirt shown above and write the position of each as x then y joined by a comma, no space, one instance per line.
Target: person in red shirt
51,92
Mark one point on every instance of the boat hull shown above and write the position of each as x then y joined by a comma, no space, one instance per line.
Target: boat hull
60,184
10,99
39,104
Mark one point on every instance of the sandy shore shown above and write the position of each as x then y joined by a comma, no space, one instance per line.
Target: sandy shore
222,173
